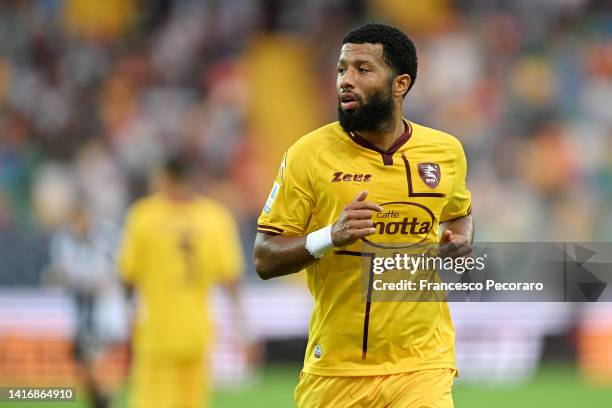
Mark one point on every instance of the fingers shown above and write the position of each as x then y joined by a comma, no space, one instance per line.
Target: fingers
455,249
359,214
454,245
359,224
349,231
364,205
361,196
360,233
447,236
368,205
355,222
359,203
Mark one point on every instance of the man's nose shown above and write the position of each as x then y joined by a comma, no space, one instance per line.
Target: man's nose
346,80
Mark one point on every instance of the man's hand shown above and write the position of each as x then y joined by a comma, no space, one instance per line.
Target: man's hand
454,245
253,352
355,222
282,255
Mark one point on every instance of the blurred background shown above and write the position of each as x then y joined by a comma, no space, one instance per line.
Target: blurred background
94,94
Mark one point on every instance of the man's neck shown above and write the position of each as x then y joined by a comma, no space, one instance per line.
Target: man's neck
384,138
180,194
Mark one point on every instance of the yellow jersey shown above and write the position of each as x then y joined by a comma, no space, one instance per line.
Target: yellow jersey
173,252
420,181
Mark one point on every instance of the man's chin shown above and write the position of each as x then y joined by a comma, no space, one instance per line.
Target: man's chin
350,119
352,110
349,126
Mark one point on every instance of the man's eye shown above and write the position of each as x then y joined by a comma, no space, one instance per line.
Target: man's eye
361,69
341,70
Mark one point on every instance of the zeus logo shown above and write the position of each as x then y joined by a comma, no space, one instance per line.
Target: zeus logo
401,224
340,176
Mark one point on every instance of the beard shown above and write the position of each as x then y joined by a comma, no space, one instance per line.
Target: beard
369,116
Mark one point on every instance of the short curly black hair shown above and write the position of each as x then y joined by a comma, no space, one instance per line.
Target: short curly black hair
398,49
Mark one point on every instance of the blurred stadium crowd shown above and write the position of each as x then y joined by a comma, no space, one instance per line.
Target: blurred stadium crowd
93,95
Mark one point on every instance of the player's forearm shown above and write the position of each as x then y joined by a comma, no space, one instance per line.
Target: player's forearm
278,255
461,226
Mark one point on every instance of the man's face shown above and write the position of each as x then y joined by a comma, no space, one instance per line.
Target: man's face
364,87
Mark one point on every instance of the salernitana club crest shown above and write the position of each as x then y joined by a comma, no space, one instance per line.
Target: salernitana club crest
430,174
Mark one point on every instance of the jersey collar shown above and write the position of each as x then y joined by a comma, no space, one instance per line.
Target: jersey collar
387,155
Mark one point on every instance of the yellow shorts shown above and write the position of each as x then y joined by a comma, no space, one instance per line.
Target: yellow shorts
418,389
165,383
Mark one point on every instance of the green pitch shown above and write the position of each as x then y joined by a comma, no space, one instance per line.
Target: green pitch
555,385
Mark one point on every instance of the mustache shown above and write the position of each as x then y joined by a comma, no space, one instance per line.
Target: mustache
377,109
357,97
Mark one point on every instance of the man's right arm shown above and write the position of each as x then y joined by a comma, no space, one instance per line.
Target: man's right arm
278,255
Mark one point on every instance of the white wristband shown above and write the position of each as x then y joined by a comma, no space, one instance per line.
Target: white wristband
320,241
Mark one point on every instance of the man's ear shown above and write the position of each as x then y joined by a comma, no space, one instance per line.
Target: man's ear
401,83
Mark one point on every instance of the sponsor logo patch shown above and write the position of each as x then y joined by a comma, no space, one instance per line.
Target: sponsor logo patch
401,224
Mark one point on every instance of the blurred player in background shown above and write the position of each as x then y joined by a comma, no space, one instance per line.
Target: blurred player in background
177,244
384,354
83,263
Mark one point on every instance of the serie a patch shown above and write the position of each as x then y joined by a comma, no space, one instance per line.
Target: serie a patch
271,197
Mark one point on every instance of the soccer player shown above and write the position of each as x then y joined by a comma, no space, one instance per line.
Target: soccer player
81,256
371,177
176,245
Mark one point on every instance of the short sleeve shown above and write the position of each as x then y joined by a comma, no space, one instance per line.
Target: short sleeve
129,248
290,204
229,259
460,202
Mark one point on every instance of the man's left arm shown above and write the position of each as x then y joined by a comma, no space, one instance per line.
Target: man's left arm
457,232
456,237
